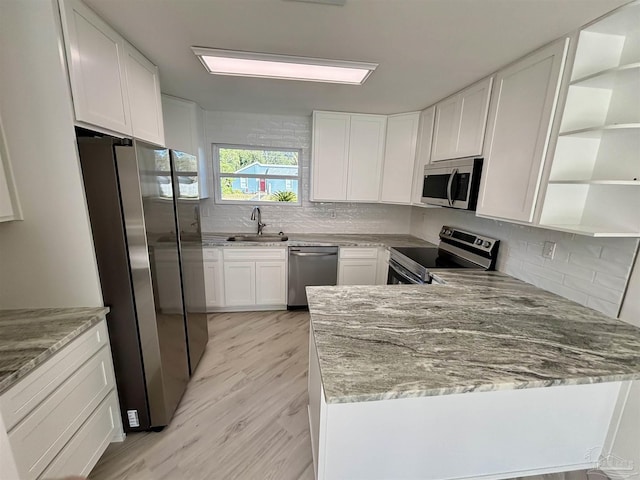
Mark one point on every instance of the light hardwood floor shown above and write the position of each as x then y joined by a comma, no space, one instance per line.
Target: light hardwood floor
244,414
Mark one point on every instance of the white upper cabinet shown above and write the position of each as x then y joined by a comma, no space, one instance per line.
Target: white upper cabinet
460,123
423,154
524,98
474,105
447,123
114,87
143,85
184,132
348,151
95,57
330,155
399,158
366,154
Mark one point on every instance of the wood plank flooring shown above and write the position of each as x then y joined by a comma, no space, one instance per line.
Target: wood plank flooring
244,414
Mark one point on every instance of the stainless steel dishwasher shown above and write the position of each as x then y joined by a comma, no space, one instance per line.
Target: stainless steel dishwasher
310,266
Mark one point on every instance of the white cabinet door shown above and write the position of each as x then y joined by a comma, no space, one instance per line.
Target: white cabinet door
461,121
423,155
184,131
239,283
399,158
445,135
143,85
271,285
524,98
357,272
474,105
95,55
366,154
330,155
180,127
213,284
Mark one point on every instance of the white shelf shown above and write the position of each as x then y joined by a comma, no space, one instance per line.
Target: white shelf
604,78
595,182
592,230
595,131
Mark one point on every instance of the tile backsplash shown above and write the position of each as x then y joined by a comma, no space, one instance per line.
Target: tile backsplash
590,271
291,132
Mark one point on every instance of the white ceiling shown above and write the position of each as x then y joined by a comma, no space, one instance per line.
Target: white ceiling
426,49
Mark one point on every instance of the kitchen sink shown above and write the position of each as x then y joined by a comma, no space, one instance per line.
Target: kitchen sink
258,238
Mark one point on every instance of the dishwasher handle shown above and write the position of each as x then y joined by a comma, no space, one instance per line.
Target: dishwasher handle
298,253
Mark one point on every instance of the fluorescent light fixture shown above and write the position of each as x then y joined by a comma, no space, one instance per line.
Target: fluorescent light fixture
264,65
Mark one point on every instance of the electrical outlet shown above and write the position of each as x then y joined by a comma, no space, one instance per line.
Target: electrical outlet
549,249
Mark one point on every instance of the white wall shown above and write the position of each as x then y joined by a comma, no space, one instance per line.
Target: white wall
292,132
590,271
47,260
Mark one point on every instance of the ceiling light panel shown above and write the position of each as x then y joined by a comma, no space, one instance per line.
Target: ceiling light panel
249,64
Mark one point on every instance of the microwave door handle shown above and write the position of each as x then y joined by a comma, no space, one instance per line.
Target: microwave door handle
451,177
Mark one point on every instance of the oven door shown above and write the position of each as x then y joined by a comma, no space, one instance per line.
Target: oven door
398,275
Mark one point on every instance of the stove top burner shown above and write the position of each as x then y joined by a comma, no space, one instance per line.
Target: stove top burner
457,249
430,257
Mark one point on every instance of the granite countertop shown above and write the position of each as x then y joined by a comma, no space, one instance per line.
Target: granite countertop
319,239
28,337
481,331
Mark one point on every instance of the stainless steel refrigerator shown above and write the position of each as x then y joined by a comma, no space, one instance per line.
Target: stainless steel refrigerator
144,210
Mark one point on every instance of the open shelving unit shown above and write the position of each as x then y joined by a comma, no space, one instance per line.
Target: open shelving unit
594,183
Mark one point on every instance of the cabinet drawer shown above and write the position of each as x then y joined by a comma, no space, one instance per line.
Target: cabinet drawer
248,254
211,254
358,253
44,432
83,451
25,395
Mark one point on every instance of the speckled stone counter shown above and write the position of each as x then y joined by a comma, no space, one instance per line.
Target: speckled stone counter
318,239
29,337
482,331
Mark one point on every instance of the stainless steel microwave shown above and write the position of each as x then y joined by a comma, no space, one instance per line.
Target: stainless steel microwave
452,183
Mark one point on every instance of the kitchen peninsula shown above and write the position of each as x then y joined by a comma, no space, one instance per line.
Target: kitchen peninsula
482,377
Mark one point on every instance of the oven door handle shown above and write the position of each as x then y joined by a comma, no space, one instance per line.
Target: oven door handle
452,176
394,267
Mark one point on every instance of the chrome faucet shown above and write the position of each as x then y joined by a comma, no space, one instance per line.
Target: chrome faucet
257,215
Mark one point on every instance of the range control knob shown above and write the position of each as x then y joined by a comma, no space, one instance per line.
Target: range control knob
486,244
478,241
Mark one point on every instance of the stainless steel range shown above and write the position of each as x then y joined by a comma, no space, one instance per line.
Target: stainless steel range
457,249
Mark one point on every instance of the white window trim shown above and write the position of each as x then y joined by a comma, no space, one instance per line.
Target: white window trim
217,175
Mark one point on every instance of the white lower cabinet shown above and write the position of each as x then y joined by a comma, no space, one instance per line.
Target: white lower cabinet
239,283
213,277
271,279
358,266
59,419
254,278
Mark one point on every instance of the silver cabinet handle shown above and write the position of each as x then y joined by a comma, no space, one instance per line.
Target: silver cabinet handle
310,254
451,177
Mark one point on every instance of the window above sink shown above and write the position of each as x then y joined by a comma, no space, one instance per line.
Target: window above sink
257,175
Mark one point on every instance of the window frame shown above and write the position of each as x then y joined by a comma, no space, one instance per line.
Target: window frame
218,176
